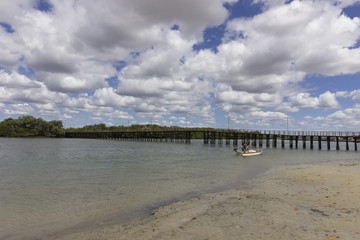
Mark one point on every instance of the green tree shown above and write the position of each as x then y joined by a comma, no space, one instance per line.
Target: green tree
7,128
56,129
28,126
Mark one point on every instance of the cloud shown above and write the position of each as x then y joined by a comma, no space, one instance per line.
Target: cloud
260,119
226,95
47,109
89,75
355,95
287,107
345,115
9,55
342,94
264,115
167,95
255,62
347,119
111,114
328,100
314,35
118,19
109,97
16,80
19,109
72,47
161,83
264,59
238,65
31,95
61,46
304,100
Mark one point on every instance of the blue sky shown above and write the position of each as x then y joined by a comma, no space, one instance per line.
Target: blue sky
189,63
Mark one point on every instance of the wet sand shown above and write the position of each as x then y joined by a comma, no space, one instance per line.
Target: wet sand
298,202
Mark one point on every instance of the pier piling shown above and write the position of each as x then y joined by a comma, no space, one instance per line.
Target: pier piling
304,142
355,139
274,141
254,137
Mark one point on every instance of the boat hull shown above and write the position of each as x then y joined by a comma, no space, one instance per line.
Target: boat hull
251,153
248,154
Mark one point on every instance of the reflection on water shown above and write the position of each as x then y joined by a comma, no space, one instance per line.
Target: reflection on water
47,185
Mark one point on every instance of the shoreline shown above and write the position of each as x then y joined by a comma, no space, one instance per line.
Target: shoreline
319,201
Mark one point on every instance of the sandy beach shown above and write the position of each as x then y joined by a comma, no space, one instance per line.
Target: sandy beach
297,202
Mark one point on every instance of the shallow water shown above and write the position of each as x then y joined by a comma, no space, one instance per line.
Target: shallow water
53,185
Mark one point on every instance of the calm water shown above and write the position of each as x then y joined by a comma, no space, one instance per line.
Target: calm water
52,185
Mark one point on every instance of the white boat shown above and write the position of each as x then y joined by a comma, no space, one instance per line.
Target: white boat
249,152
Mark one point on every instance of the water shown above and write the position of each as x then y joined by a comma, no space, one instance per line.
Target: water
52,186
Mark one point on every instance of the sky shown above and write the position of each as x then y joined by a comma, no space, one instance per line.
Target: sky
247,64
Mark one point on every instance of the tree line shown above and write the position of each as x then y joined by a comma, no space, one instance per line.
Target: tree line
140,127
28,126
137,127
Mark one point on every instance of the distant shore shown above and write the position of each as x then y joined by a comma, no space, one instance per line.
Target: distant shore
299,202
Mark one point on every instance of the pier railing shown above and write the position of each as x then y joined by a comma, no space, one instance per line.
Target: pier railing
312,133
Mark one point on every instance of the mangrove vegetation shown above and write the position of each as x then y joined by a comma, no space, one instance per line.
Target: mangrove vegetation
28,126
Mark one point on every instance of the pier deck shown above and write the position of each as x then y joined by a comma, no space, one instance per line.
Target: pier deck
237,137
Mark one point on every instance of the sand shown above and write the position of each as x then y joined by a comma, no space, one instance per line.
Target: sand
297,202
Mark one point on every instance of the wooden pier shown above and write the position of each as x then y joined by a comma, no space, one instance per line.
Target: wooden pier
269,138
